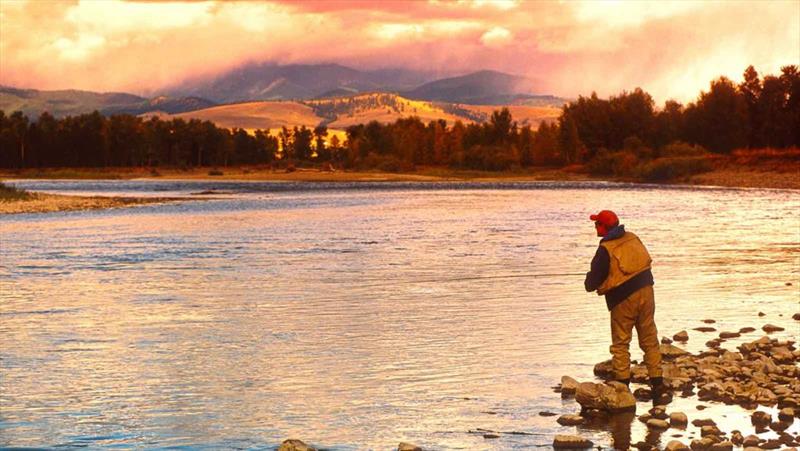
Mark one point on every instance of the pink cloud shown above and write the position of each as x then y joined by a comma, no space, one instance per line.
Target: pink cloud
669,49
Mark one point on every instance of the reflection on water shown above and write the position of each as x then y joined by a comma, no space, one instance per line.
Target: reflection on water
359,316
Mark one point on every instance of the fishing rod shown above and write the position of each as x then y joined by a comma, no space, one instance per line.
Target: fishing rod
384,282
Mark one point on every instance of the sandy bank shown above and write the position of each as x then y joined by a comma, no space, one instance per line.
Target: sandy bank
43,203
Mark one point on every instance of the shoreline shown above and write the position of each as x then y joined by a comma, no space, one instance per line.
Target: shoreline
746,177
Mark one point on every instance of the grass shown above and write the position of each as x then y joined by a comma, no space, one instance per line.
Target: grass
11,194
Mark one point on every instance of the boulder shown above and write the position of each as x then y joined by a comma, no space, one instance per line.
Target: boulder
681,336
294,444
678,419
659,425
768,328
570,420
675,445
611,397
562,441
408,447
568,385
604,369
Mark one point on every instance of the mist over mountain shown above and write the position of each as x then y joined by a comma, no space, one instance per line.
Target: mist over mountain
269,81
484,87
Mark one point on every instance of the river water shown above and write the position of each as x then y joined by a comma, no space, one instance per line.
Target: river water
356,316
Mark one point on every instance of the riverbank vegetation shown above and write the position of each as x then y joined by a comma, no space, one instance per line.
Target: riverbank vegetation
623,137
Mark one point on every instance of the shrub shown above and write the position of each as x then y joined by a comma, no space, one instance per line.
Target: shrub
487,158
670,168
622,163
385,163
9,193
682,149
215,172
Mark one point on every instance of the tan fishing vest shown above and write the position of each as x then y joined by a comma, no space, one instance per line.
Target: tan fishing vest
627,258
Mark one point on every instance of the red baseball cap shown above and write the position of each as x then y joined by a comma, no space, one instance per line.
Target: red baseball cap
606,217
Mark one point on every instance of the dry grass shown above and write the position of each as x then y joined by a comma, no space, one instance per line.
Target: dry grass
43,203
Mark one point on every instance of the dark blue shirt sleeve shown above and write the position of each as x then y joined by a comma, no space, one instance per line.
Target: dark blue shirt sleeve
599,270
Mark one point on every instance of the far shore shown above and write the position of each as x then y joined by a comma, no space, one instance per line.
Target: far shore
727,176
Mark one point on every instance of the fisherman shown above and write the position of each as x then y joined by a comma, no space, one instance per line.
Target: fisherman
620,270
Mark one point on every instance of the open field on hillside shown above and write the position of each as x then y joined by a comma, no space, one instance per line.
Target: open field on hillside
254,115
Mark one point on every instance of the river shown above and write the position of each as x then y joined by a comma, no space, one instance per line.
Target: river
356,315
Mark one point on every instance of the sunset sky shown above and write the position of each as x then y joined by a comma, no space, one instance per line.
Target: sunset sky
671,50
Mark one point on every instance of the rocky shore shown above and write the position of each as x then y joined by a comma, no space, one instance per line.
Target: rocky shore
761,374
43,203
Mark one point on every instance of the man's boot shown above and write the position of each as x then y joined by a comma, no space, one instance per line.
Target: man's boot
661,393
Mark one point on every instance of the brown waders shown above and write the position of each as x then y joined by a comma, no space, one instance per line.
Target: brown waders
637,310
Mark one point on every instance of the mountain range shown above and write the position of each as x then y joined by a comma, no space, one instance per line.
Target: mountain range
296,83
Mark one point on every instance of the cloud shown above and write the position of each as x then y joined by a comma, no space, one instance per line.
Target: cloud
671,49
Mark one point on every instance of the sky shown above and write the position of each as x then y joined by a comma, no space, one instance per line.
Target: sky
670,49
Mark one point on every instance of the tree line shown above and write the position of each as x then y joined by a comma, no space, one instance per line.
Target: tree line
610,135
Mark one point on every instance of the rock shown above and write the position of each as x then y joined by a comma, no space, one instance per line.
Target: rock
709,430
604,369
737,438
715,343
768,328
666,341
762,314
678,419
709,321
729,334
759,418
643,446
294,444
786,414
671,352
547,414
771,444
681,336
408,447
675,445
701,444
751,440
704,329
747,330
780,426
703,422
796,317
655,423
570,420
611,397
643,394
490,435
568,385
571,442
722,446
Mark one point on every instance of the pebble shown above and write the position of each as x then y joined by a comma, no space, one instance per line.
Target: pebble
796,317
490,435
747,330
709,321
547,414
705,329
729,334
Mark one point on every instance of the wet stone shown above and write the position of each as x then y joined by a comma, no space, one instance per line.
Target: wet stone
678,419
751,440
571,442
293,444
772,328
796,317
722,446
786,414
705,329
729,334
655,423
681,336
709,321
747,330
779,426
676,445
666,341
759,418
709,430
408,447
700,422
570,420
568,385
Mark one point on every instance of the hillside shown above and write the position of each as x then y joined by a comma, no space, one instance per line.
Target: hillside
72,102
342,112
478,88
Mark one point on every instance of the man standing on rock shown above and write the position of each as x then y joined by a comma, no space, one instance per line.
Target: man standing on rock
620,270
